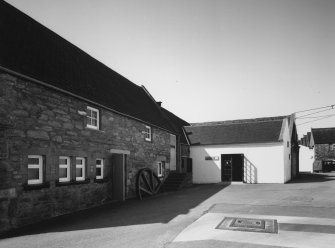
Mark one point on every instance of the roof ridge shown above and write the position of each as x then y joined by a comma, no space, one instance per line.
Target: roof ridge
70,43
322,128
239,121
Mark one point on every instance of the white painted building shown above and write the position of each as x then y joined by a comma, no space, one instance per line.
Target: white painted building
250,151
306,155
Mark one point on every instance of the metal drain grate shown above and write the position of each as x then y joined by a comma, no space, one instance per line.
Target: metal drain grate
248,225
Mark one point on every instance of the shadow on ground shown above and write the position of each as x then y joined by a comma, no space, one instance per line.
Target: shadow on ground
159,209
307,177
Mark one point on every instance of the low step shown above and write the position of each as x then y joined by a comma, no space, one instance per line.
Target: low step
174,181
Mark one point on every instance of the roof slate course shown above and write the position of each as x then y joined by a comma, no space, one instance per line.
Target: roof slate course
29,48
324,135
178,124
261,130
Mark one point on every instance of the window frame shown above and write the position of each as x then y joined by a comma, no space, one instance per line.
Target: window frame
160,169
101,166
81,166
97,127
38,166
148,133
64,166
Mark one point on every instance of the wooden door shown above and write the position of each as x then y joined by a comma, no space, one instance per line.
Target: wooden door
232,167
237,173
226,168
118,177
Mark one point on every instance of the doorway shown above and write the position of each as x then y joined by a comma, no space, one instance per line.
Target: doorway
232,167
119,172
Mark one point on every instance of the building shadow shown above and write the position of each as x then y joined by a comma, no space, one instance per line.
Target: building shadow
250,171
308,177
161,208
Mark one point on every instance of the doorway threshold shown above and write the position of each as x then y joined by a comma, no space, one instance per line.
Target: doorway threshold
231,183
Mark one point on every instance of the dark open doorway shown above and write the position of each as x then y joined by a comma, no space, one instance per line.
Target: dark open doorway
232,167
119,172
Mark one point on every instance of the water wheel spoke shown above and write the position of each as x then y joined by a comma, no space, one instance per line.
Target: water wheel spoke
146,191
146,182
158,186
152,179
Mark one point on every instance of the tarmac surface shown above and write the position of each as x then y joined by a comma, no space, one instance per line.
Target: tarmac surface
304,209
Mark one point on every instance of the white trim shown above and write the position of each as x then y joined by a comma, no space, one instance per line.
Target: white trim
148,133
91,117
117,151
64,166
160,169
187,139
82,167
38,166
101,166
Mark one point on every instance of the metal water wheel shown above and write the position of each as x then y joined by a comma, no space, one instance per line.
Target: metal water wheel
147,183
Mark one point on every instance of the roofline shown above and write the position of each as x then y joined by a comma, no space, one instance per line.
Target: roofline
269,142
78,97
283,128
231,122
321,128
152,99
186,136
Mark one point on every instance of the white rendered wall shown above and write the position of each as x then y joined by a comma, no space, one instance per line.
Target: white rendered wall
264,162
306,159
287,151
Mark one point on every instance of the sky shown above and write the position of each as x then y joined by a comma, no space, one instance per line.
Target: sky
210,60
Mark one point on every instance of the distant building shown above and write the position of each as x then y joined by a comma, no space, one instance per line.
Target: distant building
263,150
323,143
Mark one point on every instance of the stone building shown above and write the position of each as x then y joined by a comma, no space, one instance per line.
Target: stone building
322,142
73,133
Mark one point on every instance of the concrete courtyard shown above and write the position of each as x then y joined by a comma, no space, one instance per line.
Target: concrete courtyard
304,208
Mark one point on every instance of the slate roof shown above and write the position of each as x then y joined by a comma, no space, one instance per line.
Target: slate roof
178,124
261,130
324,135
29,48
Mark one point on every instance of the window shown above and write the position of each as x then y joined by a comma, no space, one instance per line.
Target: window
288,144
92,118
147,133
160,169
35,169
99,168
80,169
64,169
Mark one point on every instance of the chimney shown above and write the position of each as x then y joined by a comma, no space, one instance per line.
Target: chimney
159,104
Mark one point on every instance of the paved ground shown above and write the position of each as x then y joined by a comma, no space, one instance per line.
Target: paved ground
304,208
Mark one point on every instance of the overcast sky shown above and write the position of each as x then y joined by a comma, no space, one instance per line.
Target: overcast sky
209,60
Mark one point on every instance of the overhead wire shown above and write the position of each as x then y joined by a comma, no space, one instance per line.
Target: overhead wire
315,120
314,113
311,117
330,106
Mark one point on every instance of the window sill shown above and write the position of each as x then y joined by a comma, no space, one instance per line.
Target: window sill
94,129
72,182
104,180
36,186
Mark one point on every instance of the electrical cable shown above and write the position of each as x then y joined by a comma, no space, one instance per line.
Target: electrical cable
311,117
314,113
313,120
330,106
